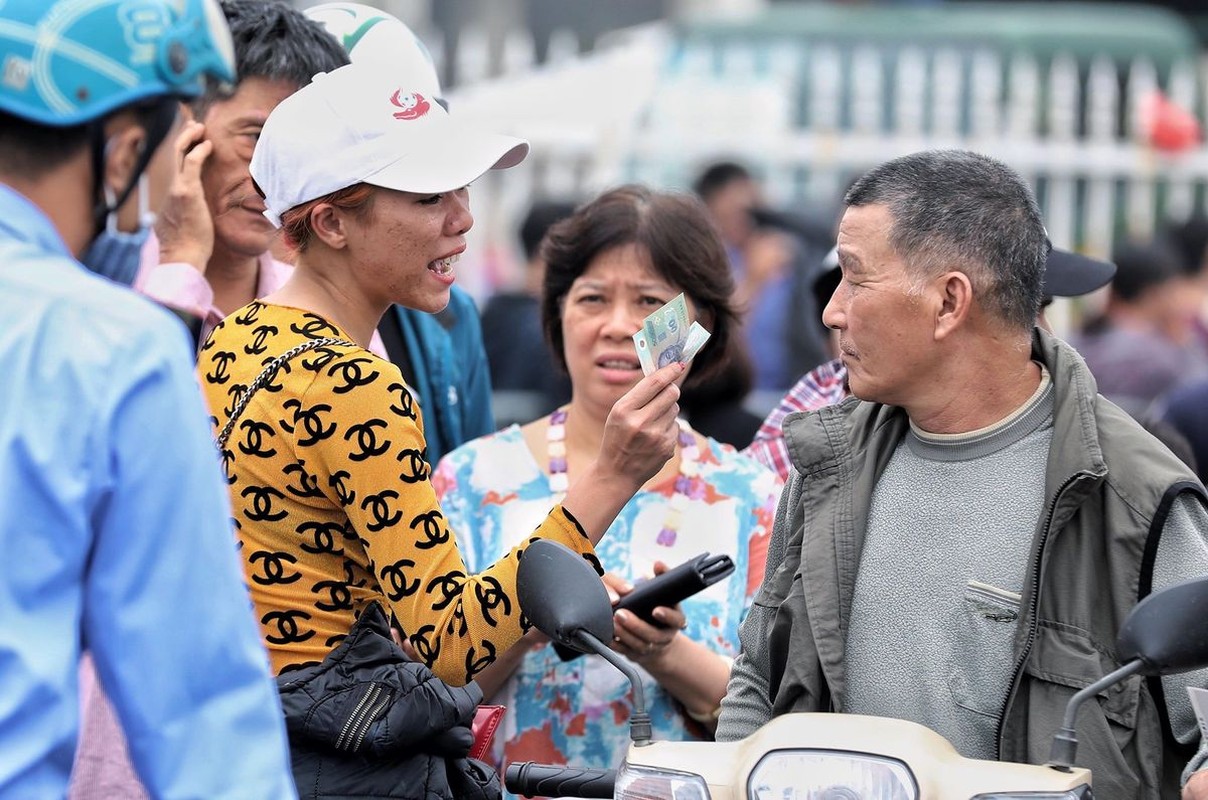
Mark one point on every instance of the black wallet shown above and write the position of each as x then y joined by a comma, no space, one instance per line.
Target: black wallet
674,585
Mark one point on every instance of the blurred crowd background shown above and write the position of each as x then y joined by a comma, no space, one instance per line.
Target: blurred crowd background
775,107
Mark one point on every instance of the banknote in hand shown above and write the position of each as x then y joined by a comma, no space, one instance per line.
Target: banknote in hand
666,336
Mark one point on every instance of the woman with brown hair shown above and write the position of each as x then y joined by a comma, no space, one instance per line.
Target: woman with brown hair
616,260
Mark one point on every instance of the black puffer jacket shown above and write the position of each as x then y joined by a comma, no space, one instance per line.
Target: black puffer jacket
370,723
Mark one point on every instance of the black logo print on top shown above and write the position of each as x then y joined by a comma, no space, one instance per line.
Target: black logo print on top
406,403
262,509
367,444
321,529
273,568
253,443
307,484
352,372
221,373
380,508
395,576
312,422
434,532
286,623
323,534
415,466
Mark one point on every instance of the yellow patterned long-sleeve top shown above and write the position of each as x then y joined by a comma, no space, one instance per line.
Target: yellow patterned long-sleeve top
333,507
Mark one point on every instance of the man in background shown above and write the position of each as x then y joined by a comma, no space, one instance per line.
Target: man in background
773,256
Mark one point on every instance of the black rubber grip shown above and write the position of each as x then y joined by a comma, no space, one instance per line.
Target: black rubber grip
667,589
675,585
529,779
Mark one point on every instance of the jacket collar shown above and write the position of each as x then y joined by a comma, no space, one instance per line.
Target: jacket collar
1076,448
819,440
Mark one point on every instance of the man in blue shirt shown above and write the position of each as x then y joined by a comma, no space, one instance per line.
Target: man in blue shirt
115,528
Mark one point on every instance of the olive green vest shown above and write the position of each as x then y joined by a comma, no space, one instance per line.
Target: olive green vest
1108,488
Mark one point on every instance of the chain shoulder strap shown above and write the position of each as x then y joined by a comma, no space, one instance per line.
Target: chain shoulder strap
267,374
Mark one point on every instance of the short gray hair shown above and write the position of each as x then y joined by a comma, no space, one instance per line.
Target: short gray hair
963,210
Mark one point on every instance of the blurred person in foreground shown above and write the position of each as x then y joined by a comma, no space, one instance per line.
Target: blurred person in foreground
974,450
441,356
616,260
337,521
1066,274
101,425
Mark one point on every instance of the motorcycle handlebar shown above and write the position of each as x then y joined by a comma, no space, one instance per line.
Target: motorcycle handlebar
530,779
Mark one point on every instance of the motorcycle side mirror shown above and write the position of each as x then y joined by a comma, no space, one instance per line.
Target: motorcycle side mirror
1164,634
1166,630
565,599
562,595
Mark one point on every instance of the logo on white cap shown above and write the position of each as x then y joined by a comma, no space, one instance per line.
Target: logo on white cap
413,105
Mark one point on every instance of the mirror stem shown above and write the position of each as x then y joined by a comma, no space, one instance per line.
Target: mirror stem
1065,741
639,723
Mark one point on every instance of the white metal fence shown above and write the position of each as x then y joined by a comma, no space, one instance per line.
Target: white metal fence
649,108
808,118
826,115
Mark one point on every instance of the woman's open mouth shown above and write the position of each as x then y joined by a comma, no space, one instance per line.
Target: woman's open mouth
619,363
444,266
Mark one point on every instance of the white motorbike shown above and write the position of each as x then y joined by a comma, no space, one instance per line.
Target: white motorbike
825,756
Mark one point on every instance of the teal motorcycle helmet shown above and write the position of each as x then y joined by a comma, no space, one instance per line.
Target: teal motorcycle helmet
70,62
74,63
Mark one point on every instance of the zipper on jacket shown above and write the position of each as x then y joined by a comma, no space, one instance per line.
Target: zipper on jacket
1034,622
361,731
353,718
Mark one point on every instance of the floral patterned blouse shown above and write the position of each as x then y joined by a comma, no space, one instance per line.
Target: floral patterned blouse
493,492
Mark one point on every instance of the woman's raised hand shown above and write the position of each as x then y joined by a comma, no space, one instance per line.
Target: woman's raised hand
639,437
640,433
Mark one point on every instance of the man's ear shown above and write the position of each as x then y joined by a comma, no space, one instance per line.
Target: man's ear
124,146
327,223
956,303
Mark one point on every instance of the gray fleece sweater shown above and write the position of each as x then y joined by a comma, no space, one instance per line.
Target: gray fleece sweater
930,631
939,618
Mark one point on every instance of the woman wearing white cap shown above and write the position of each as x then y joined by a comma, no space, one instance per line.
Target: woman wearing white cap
325,463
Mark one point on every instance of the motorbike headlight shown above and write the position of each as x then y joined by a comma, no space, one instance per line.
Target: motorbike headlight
1081,793
643,783
830,775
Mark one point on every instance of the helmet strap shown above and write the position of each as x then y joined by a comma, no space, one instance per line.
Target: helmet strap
156,119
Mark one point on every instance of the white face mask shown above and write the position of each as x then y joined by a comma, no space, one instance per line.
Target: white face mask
115,253
146,217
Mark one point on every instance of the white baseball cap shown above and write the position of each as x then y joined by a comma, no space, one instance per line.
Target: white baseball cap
361,124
